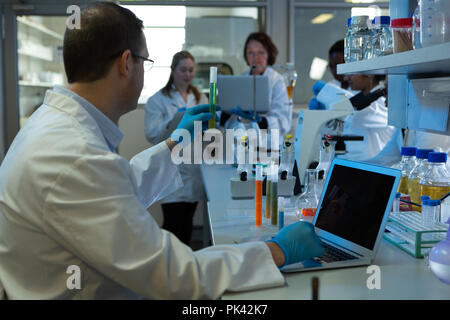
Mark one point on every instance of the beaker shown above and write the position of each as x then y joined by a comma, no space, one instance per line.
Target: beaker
308,200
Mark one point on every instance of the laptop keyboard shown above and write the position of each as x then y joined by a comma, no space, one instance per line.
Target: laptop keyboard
333,254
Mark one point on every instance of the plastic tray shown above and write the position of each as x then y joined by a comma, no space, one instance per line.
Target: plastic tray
408,233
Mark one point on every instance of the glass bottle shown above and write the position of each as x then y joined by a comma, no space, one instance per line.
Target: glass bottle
290,78
406,164
417,173
347,40
360,39
436,181
308,200
381,37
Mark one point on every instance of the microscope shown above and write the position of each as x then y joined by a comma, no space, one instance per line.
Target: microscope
339,104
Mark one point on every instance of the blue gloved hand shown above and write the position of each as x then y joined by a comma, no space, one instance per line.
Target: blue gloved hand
198,113
314,104
298,242
245,114
318,86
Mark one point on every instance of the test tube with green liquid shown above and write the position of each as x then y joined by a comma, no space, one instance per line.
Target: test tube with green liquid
212,96
268,187
274,195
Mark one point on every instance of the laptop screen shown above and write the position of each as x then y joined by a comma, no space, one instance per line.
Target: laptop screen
354,204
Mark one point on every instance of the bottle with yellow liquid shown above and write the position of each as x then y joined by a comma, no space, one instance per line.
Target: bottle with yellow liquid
406,164
436,182
417,173
290,78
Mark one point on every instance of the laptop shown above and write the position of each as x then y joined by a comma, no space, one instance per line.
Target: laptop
351,215
233,91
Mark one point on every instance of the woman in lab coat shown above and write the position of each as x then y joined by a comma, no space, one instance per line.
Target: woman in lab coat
260,54
163,112
370,122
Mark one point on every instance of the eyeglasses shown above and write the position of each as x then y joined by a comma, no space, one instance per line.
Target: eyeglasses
148,63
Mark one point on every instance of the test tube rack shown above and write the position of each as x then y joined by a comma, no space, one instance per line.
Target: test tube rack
407,232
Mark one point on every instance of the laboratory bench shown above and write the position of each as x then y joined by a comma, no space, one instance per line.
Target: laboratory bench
232,221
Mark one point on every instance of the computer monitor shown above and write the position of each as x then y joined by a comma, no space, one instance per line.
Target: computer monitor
233,91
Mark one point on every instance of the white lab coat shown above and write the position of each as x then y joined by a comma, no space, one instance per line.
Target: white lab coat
280,111
372,124
160,111
67,200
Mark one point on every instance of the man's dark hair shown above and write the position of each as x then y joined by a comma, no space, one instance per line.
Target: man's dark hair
106,30
337,47
267,43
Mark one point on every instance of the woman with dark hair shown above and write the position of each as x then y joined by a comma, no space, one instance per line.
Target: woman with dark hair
260,53
163,112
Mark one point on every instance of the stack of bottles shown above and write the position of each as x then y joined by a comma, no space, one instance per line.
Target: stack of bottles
366,38
425,181
427,25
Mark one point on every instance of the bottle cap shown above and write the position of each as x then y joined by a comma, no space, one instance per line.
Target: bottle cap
422,198
382,20
398,195
409,151
423,153
349,22
437,157
435,202
402,23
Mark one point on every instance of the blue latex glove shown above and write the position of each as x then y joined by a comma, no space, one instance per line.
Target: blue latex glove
314,104
318,86
198,113
299,242
245,114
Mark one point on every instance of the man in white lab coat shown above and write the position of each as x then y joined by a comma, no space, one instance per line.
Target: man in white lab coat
73,219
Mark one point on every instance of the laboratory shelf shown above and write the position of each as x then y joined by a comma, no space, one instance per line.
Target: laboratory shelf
40,28
430,60
36,84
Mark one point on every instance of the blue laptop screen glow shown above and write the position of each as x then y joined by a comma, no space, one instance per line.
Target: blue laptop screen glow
354,204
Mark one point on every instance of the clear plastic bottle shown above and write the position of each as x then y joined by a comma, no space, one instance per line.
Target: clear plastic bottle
287,157
381,37
326,156
434,22
436,182
406,164
308,200
347,40
417,173
290,78
361,37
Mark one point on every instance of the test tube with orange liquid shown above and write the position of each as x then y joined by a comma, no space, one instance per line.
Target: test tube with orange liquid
258,196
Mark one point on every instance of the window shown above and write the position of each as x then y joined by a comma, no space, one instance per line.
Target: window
169,29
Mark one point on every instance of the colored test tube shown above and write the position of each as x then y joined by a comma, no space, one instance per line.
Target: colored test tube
212,96
258,196
268,192
280,213
274,196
